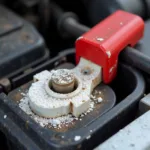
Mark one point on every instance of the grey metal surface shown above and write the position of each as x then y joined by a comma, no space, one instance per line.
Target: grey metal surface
135,136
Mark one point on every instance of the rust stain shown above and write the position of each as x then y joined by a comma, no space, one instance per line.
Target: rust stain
26,125
7,26
26,37
17,97
87,70
79,146
71,107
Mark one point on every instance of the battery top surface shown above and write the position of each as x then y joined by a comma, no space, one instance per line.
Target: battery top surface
20,43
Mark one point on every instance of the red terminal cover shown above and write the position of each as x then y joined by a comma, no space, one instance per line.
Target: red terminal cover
103,43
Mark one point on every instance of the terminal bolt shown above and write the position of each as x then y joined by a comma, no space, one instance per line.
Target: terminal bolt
63,81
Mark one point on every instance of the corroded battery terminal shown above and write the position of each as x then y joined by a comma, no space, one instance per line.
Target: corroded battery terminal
63,91
60,92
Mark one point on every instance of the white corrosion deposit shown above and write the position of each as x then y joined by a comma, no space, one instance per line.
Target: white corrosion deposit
47,106
53,122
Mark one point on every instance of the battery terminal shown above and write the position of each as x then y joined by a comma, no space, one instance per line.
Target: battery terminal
60,92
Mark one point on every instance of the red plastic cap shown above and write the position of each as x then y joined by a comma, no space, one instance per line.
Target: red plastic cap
103,43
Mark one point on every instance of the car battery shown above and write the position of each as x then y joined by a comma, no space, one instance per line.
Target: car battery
77,108
85,133
20,43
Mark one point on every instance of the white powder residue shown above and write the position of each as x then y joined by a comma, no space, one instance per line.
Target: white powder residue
42,76
88,137
108,53
121,23
95,96
53,122
5,116
99,99
77,138
41,96
112,68
23,94
100,39
81,37
62,76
